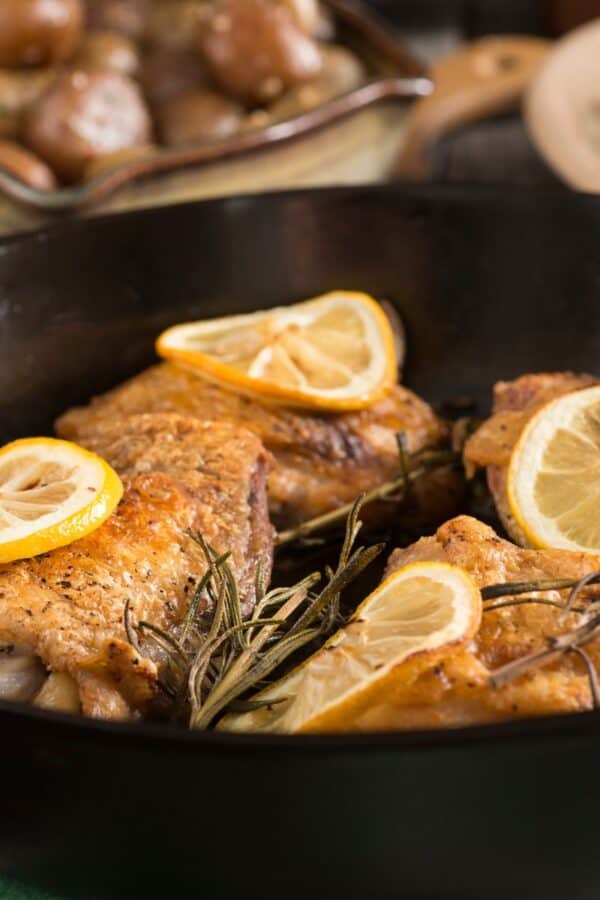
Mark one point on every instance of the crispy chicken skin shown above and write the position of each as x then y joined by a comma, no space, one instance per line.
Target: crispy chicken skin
514,403
321,460
180,475
456,691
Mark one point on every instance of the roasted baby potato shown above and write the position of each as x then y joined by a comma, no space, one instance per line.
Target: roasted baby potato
172,24
108,50
255,50
167,73
39,32
19,88
198,116
83,115
342,71
308,15
127,17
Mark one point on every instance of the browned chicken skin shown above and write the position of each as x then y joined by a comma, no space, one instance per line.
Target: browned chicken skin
514,403
322,461
457,691
180,475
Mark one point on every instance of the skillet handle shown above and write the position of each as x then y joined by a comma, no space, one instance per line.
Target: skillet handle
482,79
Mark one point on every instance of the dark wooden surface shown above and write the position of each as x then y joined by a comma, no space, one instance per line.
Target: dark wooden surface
494,152
473,17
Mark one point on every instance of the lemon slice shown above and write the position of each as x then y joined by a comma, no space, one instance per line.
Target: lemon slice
415,615
51,493
335,352
554,474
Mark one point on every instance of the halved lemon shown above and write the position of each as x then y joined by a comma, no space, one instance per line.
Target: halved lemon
334,352
413,618
554,474
52,492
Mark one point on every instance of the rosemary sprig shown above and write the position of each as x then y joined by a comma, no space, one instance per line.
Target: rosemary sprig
556,646
214,662
571,642
279,639
411,469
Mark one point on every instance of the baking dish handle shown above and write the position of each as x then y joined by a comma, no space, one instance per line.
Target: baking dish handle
482,79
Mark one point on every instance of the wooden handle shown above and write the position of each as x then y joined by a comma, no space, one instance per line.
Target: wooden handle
483,79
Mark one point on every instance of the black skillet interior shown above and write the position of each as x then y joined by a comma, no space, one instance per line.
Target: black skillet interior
490,284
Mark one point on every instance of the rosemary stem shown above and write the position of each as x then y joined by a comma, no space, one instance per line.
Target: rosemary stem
526,601
525,587
504,674
388,489
565,643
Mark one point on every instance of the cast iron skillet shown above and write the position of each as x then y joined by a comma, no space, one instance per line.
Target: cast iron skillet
490,284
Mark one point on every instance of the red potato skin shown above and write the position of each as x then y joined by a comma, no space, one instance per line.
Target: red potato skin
19,89
108,50
198,116
254,50
127,17
39,32
171,24
85,115
165,74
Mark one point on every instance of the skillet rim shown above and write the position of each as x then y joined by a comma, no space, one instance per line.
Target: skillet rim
566,726
396,188
515,732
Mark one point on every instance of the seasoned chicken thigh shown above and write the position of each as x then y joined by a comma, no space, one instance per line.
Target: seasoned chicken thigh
181,476
457,691
515,402
321,460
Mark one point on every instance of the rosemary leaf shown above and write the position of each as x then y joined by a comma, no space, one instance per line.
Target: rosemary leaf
263,667
357,563
244,706
234,606
192,610
206,652
166,641
129,626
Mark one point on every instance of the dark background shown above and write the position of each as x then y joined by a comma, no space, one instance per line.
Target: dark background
477,17
473,17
